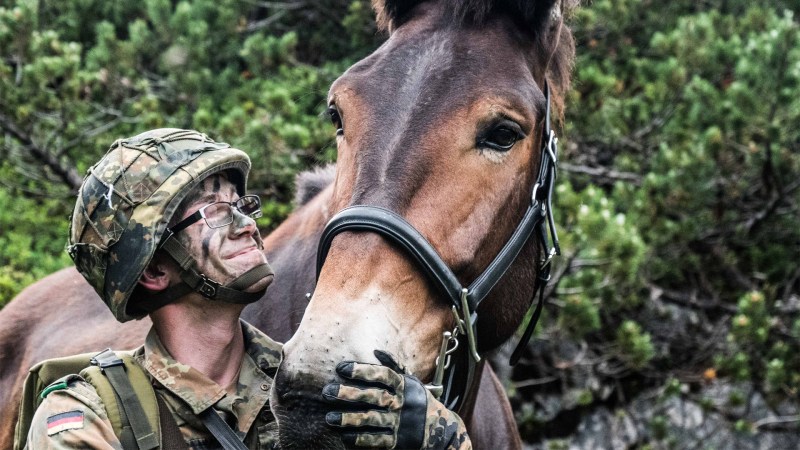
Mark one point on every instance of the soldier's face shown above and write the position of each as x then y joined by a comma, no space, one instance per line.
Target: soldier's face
227,252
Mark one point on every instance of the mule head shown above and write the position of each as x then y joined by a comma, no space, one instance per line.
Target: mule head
442,125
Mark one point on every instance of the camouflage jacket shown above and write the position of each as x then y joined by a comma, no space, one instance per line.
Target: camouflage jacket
76,418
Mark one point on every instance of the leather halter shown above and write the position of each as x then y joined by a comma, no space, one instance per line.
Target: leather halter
538,218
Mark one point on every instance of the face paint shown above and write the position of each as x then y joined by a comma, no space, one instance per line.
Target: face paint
206,248
224,253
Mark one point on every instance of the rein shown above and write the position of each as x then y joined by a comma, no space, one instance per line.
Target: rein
538,218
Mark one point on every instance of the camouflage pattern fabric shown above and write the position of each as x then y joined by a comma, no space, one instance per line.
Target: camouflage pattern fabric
185,391
93,431
400,413
127,199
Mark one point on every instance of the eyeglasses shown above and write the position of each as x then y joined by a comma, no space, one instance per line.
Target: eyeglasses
220,214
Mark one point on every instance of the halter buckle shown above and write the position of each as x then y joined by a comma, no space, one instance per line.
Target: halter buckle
470,326
547,260
459,322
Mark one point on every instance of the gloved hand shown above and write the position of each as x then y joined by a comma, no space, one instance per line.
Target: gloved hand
384,407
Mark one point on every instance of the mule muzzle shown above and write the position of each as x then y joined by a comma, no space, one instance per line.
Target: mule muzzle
298,405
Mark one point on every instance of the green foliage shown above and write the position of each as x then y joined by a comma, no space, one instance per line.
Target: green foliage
703,110
32,241
753,353
636,346
679,210
580,315
601,238
750,327
659,427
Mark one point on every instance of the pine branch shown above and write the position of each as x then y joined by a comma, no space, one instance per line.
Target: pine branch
68,175
602,173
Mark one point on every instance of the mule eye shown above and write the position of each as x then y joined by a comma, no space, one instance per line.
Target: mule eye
336,120
501,138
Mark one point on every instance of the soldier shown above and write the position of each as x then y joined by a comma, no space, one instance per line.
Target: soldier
163,227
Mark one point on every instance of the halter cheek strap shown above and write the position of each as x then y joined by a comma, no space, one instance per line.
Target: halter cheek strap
194,281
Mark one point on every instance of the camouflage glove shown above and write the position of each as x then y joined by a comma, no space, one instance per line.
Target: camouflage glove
384,407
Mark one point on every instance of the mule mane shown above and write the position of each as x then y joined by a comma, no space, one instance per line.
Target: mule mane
541,19
311,182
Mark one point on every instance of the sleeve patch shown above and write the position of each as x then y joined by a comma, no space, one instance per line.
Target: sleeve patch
72,420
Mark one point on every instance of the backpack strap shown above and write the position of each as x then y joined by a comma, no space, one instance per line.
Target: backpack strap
226,437
125,382
171,437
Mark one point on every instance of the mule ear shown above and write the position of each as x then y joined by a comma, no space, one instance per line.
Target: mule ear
389,14
536,14
556,48
543,18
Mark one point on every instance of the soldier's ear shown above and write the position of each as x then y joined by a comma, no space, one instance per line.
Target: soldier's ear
158,274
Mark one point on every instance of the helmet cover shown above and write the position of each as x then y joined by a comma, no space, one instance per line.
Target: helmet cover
127,200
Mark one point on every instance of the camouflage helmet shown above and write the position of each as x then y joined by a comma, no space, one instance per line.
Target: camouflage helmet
127,200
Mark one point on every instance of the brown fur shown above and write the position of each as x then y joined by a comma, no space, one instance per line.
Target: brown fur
491,415
310,183
532,15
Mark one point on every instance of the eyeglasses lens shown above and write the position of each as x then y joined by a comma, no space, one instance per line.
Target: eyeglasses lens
218,214
221,213
250,205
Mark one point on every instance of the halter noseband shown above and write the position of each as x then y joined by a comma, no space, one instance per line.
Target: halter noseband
538,219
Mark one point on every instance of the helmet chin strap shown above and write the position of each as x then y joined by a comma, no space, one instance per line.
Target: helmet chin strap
194,281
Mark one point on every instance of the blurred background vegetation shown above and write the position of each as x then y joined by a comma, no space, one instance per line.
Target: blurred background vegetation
674,316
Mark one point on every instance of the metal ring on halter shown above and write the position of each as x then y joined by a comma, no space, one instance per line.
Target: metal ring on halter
459,322
449,351
443,362
551,141
533,195
470,326
548,260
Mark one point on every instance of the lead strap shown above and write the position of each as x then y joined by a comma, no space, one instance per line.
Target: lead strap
226,437
526,335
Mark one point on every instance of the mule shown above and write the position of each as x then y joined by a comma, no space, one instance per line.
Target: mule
439,130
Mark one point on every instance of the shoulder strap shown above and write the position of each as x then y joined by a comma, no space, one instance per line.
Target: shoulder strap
171,437
145,411
129,399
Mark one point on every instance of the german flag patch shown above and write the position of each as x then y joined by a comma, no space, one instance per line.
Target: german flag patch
72,420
